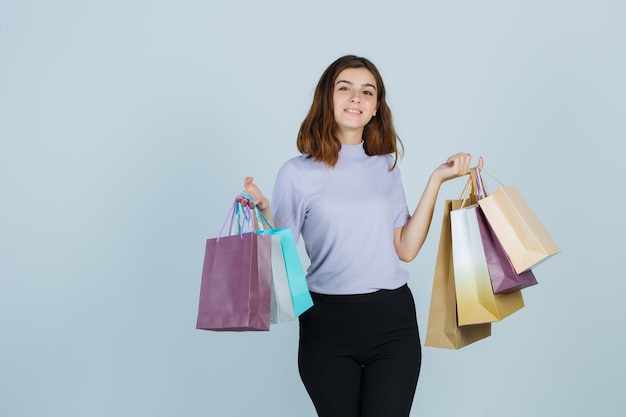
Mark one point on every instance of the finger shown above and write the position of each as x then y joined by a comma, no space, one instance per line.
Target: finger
461,156
465,166
461,162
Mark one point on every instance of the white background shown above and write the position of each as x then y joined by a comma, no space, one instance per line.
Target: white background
126,128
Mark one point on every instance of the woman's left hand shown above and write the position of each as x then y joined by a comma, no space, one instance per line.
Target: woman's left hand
456,166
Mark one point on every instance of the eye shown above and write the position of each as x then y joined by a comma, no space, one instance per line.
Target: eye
343,88
369,93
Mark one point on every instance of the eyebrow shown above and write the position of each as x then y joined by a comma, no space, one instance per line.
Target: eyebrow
349,82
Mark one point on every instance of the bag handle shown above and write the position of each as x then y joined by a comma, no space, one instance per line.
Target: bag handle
260,217
492,175
481,189
466,196
470,194
474,189
244,216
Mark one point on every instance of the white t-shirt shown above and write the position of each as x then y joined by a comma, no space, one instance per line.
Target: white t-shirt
346,216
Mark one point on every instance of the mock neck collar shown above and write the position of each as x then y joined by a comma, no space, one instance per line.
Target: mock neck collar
352,150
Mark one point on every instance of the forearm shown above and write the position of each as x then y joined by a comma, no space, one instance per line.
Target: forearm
413,234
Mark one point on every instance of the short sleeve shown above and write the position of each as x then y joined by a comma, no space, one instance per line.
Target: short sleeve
401,216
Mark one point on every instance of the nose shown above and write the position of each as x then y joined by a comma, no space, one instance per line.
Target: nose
356,98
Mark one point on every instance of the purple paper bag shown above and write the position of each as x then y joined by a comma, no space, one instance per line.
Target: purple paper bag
504,279
236,283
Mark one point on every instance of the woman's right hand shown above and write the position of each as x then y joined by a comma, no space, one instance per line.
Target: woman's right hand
250,188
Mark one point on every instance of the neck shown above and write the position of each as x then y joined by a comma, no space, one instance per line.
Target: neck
350,137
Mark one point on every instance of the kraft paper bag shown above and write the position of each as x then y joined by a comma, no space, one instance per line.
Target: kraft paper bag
523,237
235,290
504,279
443,330
476,301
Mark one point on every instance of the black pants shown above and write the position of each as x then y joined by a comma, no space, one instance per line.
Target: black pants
360,355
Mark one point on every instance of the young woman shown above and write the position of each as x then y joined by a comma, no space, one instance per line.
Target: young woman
359,352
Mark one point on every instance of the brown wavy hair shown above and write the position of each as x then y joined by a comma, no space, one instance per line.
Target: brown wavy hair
316,136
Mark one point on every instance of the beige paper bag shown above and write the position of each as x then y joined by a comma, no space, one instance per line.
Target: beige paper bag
523,237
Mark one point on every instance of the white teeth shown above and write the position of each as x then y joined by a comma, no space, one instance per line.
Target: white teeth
353,111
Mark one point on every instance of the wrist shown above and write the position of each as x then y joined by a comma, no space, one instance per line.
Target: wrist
435,180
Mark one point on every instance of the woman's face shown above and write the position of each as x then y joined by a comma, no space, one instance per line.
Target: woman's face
354,103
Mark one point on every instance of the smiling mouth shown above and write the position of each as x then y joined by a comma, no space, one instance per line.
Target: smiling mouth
353,111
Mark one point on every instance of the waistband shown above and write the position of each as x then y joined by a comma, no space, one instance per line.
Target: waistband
358,298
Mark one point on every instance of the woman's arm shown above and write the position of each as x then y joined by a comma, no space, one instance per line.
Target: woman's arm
408,239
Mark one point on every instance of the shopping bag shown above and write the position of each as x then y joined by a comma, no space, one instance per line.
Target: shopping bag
281,306
504,279
443,330
524,239
286,267
235,291
476,301
295,276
